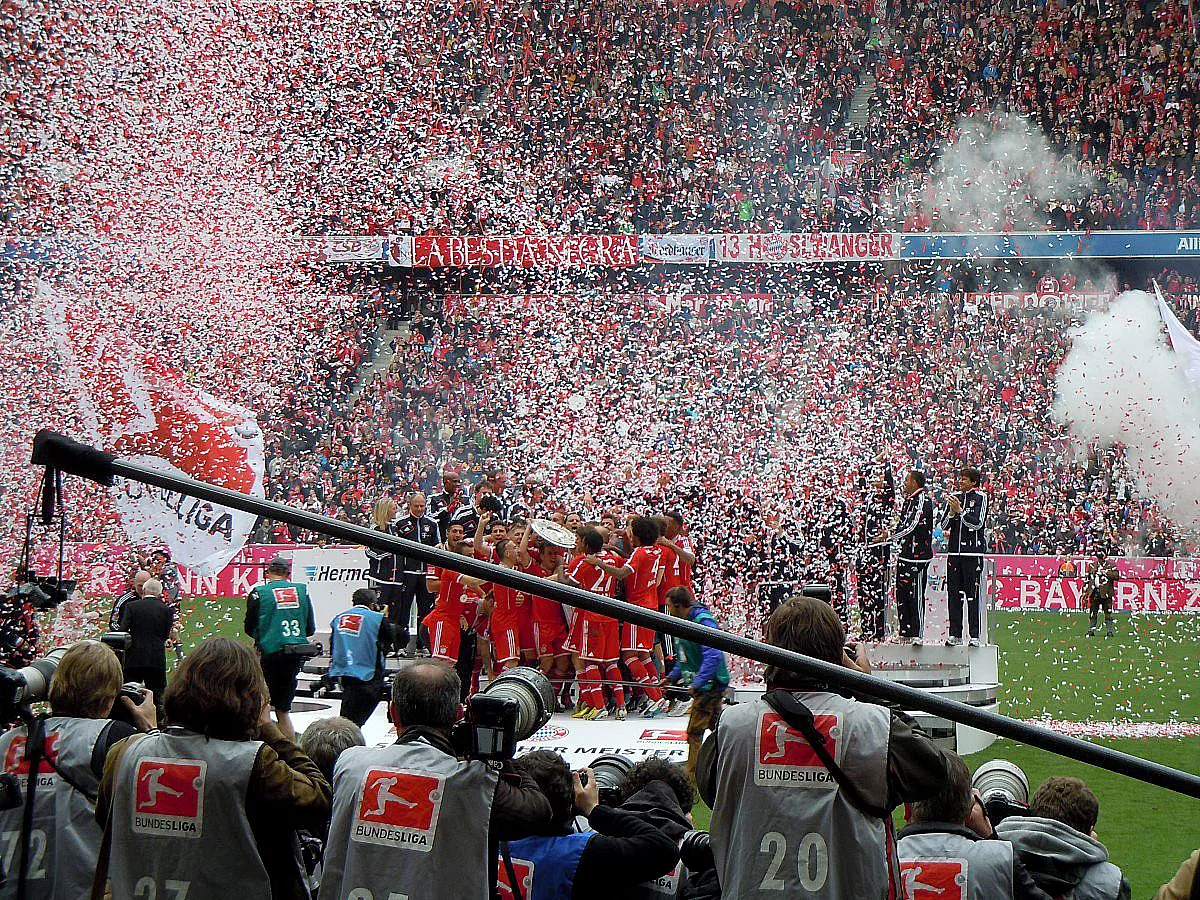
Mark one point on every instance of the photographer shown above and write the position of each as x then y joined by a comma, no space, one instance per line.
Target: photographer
701,669
662,793
214,800
774,795
279,618
150,624
951,843
358,639
623,851
65,839
1058,845
410,817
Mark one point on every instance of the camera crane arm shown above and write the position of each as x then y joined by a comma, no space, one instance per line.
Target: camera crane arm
63,454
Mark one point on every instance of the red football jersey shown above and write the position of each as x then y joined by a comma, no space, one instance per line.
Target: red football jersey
547,613
449,601
642,586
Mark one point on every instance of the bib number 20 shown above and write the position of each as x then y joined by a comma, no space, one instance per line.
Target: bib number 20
812,861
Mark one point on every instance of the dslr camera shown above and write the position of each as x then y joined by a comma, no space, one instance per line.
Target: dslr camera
511,708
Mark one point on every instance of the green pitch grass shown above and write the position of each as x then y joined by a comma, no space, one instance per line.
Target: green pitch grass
1149,672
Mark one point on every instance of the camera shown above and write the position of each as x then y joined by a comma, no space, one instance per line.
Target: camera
817,591
610,771
1004,789
134,690
695,851
491,503
118,642
511,708
40,591
20,687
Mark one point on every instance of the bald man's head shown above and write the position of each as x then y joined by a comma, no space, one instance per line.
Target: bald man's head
426,693
140,577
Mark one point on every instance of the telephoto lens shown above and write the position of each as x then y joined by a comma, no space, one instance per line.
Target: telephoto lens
1003,788
695,851
532,693
610,771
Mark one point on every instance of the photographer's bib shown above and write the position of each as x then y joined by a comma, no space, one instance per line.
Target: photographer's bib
179,826
408,821
65,837
942,866
781,825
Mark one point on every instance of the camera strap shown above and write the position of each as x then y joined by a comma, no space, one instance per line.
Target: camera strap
513,881
793,711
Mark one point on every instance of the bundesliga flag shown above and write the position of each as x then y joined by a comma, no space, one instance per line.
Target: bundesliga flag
136,406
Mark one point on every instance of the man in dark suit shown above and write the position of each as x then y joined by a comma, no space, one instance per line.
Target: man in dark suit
913,539
966,516
150,623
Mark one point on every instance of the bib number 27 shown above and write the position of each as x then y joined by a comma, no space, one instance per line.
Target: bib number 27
812,861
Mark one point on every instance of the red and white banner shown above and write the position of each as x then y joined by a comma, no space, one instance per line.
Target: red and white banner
574,251
457,305
137,407
1147,584
1042,299
808,247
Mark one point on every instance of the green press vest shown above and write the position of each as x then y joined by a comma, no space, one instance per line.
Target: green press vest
283,611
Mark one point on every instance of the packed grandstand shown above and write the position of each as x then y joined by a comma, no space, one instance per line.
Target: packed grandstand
165,199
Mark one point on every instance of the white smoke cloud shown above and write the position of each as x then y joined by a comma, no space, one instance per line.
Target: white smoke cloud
1002,167
1122,382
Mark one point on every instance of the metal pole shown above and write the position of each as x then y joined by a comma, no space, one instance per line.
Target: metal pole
58,452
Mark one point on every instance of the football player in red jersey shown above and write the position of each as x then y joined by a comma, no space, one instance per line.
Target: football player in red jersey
642,573
549,622
507,604
676,540
595,639
447,621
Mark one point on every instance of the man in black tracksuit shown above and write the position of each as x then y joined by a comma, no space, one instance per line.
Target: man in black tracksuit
966,515
414,525
913,538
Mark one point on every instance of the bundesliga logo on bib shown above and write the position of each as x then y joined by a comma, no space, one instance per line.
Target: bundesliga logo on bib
16,763
523,869
925,879
786,759
168,797
398,808
349,623
286,598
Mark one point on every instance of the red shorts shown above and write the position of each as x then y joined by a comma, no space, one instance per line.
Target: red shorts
444,638
525,629
548,641
506,641
636,639
595,640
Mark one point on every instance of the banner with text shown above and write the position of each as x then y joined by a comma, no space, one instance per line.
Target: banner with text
348,248
577,251
332,575
806,248
1041,299
684,249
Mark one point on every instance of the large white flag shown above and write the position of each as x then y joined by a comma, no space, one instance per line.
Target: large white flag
137,407
1182,342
